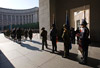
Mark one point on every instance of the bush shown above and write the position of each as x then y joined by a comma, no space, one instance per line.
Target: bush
26,26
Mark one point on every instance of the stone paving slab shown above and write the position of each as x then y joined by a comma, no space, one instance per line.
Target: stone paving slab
30,55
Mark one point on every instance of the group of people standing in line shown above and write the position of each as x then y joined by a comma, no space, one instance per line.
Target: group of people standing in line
17,34
68,36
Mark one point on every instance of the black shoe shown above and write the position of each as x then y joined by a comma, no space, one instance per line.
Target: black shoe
84,63
65,56
56,50
52,52
47,47
42,49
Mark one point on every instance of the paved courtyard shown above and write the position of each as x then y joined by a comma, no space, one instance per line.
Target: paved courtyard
30,55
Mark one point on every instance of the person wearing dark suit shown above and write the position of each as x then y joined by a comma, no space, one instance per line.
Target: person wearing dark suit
66,40
26,34
30,34
44,38
53,36
84,34
19,33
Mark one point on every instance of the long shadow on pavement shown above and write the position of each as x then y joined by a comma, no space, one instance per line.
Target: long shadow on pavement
4,62
35,42
30,47
92,62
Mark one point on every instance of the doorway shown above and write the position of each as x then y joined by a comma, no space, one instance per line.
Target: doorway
78,14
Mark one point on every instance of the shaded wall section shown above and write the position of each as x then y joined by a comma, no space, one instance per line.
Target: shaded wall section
95,21
59,7
63,5
52,11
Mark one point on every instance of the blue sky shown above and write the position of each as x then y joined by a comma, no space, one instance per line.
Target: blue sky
19,4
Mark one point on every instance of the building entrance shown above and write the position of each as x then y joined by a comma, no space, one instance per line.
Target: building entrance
78,14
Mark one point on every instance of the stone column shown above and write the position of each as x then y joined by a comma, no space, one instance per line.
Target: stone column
28,18
31,18
7,20
25,19
15,19
22,19
11,22
36,17
19,19
44,15
2,28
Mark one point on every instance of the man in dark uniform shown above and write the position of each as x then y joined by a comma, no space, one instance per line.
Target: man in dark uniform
66,39
30,34
72,32
84,33
44,38
77,32
53,35
19,35
13,34
26,34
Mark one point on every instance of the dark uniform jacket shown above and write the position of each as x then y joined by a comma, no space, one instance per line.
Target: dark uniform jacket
30,34
53,33
84,34
66,37
44,34
84,38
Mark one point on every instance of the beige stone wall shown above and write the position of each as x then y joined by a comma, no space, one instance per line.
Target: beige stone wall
80,16
44,15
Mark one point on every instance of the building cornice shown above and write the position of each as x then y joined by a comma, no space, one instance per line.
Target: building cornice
18,11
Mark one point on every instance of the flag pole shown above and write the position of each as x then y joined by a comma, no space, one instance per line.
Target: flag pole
67,20
66,16
84,10
84,13
53,18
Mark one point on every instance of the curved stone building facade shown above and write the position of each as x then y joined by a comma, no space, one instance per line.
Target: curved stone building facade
14,17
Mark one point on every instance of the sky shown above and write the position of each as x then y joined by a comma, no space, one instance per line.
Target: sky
19,4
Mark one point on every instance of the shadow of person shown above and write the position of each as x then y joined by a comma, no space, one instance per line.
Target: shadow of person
30,47
35,42
92,62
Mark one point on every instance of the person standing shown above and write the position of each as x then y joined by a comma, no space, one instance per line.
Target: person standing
53,35
72,35
26,34
14,34
77,33
84,34
44,38
30,34
19,33
66,39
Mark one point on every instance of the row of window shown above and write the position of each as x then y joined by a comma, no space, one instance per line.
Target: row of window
17,19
